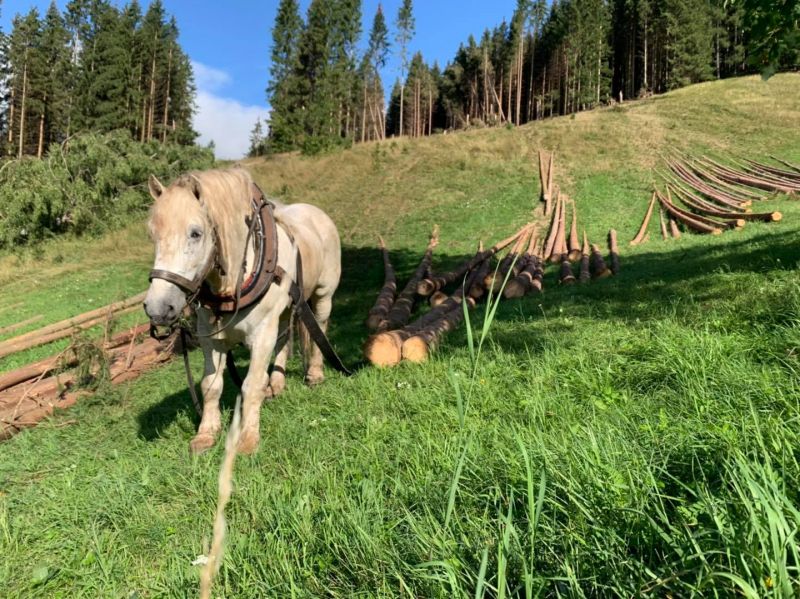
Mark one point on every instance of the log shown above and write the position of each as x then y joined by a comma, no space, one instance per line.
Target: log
643,229
565,276
418,348
712,174
598,264
66,359
698,185
385,349
434,283
20,325
400,311
522,282
689,222
67,327
674,231
543,177
727,224
711,210
386,297
585,274
560,243
574,243
13,346
437,298
765,182
664,234
550,169
788,164
613,251
553,232
509,264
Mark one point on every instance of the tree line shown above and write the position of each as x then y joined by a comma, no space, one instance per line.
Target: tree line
549,59
94,67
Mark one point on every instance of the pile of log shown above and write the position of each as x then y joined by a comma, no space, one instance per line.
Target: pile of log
33,392
397,339
703,195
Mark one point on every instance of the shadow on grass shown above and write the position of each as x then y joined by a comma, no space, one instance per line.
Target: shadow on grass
648,282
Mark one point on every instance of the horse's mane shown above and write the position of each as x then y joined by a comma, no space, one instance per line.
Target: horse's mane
225,195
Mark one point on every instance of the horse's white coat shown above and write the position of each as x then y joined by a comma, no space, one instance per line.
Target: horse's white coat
221,199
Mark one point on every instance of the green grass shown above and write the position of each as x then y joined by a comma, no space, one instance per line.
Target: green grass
635,437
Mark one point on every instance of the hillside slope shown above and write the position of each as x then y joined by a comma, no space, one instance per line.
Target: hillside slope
634,437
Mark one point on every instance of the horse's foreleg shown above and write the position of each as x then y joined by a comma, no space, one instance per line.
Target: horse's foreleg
277,380
211,387
322,311
255,383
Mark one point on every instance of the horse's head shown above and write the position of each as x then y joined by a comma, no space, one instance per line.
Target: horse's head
185,247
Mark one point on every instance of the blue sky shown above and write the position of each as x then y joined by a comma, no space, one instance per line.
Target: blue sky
229,42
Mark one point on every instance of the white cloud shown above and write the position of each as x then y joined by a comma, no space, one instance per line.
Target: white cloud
222,119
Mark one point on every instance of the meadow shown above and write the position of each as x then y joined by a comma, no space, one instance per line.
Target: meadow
637,436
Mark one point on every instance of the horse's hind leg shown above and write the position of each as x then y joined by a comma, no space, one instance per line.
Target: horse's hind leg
321,306
277,380
211,386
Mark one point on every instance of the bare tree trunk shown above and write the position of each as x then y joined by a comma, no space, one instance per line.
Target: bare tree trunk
520,65
11,117
402,102
430,111
364,115
40,146
22,106
152,107
166,97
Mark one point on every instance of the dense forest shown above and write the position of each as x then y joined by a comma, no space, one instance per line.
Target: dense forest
548,59
98,68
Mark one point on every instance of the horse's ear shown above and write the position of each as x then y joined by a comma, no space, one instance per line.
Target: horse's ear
156,189
195,186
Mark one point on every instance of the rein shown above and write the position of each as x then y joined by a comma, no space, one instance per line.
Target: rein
247,293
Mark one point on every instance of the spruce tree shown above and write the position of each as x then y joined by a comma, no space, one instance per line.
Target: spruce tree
285,123
55,54
405,31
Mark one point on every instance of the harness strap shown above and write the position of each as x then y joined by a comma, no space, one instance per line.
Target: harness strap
303,310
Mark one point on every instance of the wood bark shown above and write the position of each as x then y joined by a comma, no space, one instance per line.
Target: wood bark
598,264
401,310
711,210
386,297
613,252
585,272
664,234
640,236
574,242
688,221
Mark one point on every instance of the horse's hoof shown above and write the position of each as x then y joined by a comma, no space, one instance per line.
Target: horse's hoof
273,390
201,443
248,442
312,380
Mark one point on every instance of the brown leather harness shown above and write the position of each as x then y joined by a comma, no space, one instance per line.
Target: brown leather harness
263,226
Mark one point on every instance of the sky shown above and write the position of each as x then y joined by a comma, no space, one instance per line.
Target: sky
229,44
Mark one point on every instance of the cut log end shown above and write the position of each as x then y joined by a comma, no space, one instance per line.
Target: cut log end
514,290
374,322
438,298
426,287
383,350
415,350
776,217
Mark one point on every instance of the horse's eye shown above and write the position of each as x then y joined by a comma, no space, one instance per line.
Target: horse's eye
195,233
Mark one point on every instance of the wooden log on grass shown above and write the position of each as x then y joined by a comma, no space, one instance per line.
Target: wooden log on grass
598,264
553,230
674,231
613,251
400,311
417,348
523,281
736,223
385,349
565,275
663,223
434,283
560,247
690,222
386,297
20,325
510,265
640,236
544,178
707,190
585,274
437,298
794,167
574,245
707,209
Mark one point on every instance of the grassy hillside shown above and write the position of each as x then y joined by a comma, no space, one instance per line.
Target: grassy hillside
635,437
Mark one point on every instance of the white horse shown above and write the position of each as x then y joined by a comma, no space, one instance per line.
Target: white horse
200,226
